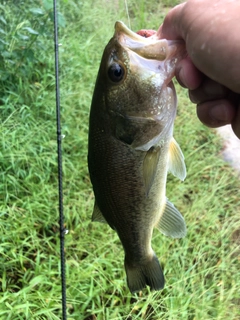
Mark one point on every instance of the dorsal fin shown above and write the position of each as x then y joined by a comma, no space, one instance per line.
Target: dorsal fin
176,161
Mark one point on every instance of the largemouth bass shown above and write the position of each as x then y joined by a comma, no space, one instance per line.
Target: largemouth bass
131,148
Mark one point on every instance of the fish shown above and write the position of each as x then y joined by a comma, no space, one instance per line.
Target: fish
131,148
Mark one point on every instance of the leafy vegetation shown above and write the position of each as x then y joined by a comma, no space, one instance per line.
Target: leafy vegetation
202,270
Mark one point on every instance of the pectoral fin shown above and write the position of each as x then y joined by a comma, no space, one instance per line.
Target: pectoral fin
150,167
176,161
172,223
97,214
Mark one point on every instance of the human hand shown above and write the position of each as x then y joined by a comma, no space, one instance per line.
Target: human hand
211,32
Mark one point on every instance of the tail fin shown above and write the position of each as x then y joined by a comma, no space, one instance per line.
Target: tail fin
150,273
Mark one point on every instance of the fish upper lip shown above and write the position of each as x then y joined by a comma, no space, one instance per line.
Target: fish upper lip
120,27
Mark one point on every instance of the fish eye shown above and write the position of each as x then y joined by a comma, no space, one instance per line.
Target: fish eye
116,72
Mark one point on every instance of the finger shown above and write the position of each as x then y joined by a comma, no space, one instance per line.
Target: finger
208,90
188,75
169,29
216,113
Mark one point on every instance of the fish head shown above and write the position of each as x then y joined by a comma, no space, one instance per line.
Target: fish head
134,82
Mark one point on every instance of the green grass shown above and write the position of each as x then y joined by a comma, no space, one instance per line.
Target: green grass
202,270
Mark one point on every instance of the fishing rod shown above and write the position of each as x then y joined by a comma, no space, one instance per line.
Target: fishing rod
62,230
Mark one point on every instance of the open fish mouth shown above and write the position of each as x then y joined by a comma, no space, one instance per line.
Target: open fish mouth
149,48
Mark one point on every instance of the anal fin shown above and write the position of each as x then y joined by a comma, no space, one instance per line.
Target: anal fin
172,223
